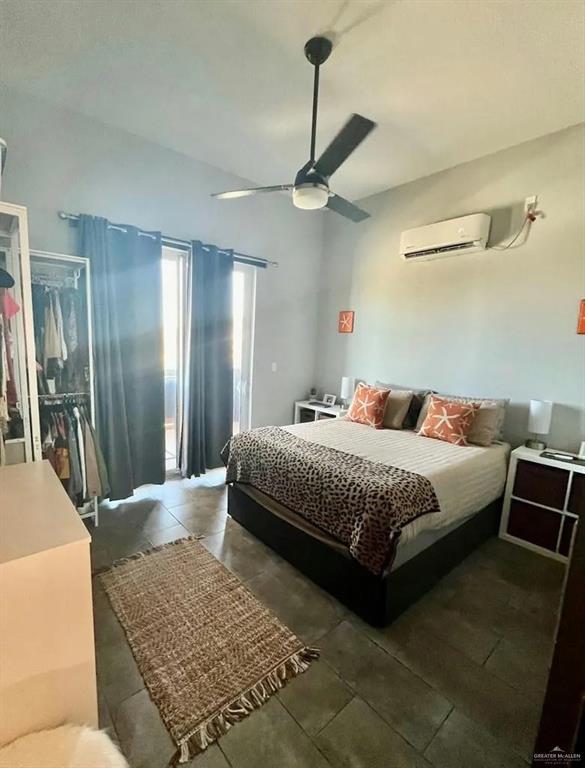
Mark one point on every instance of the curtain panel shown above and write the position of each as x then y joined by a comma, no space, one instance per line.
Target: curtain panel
209,375
126,273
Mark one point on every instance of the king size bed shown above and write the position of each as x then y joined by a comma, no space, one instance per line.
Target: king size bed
374,516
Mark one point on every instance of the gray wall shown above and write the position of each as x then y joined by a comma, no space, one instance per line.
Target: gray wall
59,160
498,323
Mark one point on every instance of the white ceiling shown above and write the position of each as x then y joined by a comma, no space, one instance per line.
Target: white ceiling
227,82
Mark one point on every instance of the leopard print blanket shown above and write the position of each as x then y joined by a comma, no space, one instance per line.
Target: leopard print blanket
363,504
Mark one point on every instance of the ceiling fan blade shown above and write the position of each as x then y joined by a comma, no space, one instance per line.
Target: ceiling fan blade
252,191
347,209
349,138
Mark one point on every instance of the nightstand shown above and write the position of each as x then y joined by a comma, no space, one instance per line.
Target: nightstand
544,498
306,412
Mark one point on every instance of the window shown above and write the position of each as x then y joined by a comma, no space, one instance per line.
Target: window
173,310
173,262
244,305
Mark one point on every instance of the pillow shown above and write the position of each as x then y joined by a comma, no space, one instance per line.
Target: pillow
418,397
484,428
448,421
367,406
397,406
490,402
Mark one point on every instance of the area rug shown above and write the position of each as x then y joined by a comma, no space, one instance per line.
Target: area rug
209,652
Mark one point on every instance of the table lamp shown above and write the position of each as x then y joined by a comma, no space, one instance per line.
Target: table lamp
539,419
347,390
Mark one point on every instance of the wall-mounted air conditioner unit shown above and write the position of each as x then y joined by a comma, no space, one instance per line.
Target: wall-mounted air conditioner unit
467,234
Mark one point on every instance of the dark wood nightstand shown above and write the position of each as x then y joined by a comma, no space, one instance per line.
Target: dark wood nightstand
544,499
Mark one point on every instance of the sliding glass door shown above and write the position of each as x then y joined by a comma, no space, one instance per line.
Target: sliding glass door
174,264
173,279
244,304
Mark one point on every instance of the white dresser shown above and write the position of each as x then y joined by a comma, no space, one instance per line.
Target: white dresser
47,659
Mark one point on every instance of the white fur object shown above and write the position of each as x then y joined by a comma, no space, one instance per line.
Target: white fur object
70,746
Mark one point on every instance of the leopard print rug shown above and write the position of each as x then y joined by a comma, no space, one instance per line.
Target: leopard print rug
362,503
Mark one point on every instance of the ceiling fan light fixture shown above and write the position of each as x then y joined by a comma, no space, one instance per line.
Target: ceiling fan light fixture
310,197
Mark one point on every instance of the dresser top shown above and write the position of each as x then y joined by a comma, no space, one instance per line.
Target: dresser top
530,454
35,512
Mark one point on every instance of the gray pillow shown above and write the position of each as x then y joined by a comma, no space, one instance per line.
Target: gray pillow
397,406
418,398
484,428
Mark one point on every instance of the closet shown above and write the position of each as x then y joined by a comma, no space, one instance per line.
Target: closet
50,397
18,422
61,295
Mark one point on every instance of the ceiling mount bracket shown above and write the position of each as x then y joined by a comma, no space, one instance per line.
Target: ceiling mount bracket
318,50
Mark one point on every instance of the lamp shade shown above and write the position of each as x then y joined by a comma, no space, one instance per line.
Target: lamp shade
347,387
540,416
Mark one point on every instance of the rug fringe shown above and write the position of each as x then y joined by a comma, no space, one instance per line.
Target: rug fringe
209,731
158,548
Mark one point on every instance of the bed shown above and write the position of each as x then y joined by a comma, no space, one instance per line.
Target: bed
451,494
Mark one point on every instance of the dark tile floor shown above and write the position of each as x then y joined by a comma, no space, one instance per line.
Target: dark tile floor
456,682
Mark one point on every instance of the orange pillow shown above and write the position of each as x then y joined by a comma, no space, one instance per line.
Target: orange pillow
448,420
367,406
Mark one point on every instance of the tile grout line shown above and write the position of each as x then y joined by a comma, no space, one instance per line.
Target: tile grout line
311,736
436,733
226,758
308,735
512,745
357,694
438,690
491,653
452,647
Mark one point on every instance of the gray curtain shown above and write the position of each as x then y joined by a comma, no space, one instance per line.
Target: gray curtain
126,273
209,375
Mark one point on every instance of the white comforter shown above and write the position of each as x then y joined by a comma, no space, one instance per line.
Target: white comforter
465,478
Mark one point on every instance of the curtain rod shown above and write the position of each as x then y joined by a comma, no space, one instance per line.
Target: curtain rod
185,244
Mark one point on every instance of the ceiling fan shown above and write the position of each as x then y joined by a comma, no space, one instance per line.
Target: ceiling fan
310,189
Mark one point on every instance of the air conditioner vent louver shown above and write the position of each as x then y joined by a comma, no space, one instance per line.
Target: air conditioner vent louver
466,234
442,249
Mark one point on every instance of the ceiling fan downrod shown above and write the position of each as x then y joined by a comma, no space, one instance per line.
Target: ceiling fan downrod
317,51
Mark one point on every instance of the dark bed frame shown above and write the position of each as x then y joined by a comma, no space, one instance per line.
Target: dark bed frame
377,599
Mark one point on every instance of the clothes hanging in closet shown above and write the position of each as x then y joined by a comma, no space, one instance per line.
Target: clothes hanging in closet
70,445
75,477
54,347
58,339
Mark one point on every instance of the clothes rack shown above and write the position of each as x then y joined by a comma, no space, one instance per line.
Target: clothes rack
63,273
70,446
